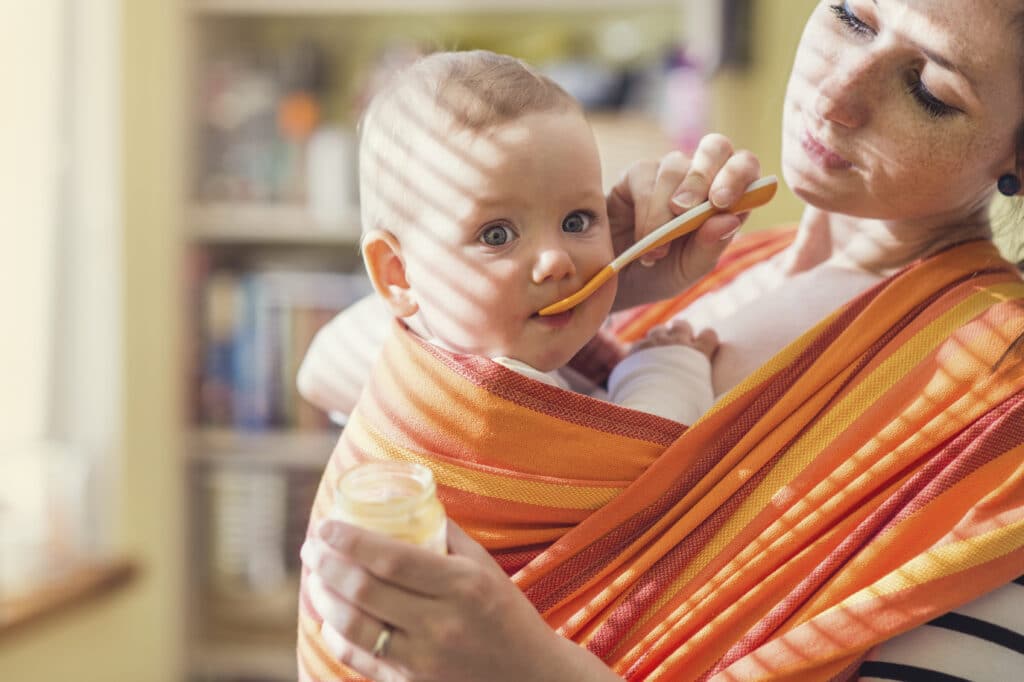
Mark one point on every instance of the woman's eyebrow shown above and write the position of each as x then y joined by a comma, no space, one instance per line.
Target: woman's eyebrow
945,63
941,60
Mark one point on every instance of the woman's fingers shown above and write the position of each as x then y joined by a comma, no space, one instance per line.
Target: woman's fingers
711,155
352,623
707,245
360,588
401,564
727,186
659,210
359,659
739,170
628,201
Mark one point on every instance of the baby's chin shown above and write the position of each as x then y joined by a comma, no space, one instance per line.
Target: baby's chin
549,362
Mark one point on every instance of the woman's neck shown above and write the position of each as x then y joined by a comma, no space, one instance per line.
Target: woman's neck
874,246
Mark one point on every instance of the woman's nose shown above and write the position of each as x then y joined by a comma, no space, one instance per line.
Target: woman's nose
845,94
553,263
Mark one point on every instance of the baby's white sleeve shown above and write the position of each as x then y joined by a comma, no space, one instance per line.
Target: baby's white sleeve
670,381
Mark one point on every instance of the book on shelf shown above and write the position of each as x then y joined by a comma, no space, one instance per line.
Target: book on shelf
254,523
256,327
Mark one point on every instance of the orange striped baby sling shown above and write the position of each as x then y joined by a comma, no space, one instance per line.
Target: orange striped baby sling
866,480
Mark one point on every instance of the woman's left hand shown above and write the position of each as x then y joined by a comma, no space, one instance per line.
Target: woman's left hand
455,617
653,192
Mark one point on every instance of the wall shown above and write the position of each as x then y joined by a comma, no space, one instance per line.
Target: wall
136,635
747,104
29,181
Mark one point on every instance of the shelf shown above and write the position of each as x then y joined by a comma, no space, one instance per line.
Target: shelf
267,223
308,450
416,6
267,657
76,585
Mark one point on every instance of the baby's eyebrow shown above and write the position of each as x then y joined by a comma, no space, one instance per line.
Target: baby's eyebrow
486,202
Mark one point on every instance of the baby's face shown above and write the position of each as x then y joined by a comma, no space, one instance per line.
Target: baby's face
513,219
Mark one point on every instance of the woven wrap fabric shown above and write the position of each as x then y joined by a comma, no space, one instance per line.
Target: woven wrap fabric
867,479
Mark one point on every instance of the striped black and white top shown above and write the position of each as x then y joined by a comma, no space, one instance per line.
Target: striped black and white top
982,641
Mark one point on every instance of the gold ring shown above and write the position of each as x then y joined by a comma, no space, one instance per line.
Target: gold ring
380,647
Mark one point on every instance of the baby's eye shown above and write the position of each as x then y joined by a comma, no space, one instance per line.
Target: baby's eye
496,235
577,221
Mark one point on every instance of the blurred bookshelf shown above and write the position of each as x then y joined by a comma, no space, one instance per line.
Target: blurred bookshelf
257,659
271,230
350,7
288,449
226,222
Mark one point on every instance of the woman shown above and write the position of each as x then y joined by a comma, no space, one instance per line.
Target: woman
900,122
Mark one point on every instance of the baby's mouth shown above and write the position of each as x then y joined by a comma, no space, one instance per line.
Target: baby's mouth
557,320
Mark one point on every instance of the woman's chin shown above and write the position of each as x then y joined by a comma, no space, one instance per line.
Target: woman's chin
812,189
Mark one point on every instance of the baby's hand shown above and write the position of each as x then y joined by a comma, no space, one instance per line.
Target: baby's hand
679,333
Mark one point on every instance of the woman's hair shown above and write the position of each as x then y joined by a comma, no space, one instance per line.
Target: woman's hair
1008,212
430,99
1016,211
1013,218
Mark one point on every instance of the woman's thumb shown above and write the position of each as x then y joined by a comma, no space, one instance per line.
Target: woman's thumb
460,544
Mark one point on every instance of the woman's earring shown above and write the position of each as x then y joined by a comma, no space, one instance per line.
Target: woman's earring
1008,184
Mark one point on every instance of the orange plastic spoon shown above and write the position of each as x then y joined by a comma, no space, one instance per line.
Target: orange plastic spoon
758,193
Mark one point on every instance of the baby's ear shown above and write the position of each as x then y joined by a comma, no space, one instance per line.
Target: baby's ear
382,254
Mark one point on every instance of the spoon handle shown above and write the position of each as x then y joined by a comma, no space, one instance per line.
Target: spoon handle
758,193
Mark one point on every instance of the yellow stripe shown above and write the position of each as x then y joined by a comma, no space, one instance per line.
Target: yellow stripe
849,409
501,487
943,561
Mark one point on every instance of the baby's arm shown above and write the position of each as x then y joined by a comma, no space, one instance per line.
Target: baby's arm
668,373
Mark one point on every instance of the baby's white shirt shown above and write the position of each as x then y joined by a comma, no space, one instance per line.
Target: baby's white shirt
673,382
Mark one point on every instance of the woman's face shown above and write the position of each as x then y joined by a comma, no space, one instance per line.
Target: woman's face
904,110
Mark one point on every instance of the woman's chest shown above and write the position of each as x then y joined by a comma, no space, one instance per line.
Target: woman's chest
764,310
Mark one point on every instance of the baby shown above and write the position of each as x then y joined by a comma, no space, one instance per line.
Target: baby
482,202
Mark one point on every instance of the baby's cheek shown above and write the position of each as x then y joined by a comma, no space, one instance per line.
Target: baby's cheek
604,298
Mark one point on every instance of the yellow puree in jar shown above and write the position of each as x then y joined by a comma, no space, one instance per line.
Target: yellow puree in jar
398,499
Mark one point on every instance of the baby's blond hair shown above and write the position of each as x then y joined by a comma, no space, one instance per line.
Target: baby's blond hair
425,102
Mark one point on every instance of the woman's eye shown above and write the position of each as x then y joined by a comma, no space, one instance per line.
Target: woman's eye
496,235
932,105
850,20
577,221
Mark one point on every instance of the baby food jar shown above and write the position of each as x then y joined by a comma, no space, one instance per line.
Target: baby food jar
398,499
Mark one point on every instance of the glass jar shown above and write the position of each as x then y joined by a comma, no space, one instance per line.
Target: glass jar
398,499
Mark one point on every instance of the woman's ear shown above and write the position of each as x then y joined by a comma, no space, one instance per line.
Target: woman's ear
382,254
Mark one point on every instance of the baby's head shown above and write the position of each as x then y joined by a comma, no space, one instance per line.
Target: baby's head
482,202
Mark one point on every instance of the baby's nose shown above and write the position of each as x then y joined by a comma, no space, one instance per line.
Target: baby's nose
553,264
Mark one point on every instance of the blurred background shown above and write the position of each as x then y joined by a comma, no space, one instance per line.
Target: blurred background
178,178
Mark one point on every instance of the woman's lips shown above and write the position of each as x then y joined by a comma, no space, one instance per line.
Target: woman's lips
822,155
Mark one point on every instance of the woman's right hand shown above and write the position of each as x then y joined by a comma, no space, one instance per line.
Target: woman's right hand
455,617
653,192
